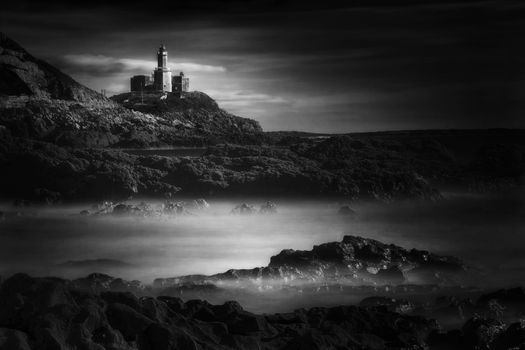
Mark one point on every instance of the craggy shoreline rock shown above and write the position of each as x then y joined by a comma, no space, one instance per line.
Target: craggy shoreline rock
39,313
101,312
354,260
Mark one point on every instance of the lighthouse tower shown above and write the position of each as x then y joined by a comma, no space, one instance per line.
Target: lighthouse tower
162,74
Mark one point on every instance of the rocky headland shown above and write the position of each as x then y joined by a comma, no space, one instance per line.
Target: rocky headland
58,140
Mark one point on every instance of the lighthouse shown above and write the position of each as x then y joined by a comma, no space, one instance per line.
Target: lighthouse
161,81
162,74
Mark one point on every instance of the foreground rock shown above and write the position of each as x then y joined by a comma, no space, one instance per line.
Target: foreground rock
42,313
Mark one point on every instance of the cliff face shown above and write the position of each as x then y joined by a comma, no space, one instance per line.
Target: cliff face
23,74
196,113
39,102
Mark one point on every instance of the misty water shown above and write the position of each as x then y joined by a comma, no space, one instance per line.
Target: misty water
487,231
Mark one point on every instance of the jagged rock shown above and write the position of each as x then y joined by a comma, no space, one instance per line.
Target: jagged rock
55,314
176,208
513,298
334,262
395,305
244,209
345,210
163,337
511,338
11,339
98,282
127,320
479,333
268,208
199,204
451,340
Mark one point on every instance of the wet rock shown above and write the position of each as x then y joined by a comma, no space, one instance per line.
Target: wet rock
244,209
157,337
512,338
99,282
345,210
175,208
125,298
513,298
110,338
199,204
11,339
111,320
393,304
355,255
124,209
268,208
451,340
479,333
127,320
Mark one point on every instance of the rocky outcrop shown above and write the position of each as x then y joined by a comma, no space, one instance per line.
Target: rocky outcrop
40,102
41,313
100,311
23,74
46,173
41,170
355,260
195,111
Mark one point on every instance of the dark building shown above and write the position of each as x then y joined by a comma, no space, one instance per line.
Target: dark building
141,83
180,84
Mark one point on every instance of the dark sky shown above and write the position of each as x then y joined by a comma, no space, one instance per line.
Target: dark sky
336,66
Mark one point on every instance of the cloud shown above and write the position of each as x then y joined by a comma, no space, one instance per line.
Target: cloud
105,64
244,97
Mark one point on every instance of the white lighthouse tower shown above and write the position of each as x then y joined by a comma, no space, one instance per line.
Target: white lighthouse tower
162,74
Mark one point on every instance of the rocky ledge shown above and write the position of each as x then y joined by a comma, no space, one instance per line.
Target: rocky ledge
53,313
355,260
50,313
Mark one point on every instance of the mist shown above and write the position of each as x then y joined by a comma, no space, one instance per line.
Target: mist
485,231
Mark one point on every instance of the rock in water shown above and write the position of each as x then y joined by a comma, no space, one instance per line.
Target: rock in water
50,313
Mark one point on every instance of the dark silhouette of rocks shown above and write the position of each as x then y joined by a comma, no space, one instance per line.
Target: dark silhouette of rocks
42,313
100,311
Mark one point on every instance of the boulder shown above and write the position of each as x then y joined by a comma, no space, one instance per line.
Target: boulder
127,320
11,339
162,337
268,208
244,209
479,333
